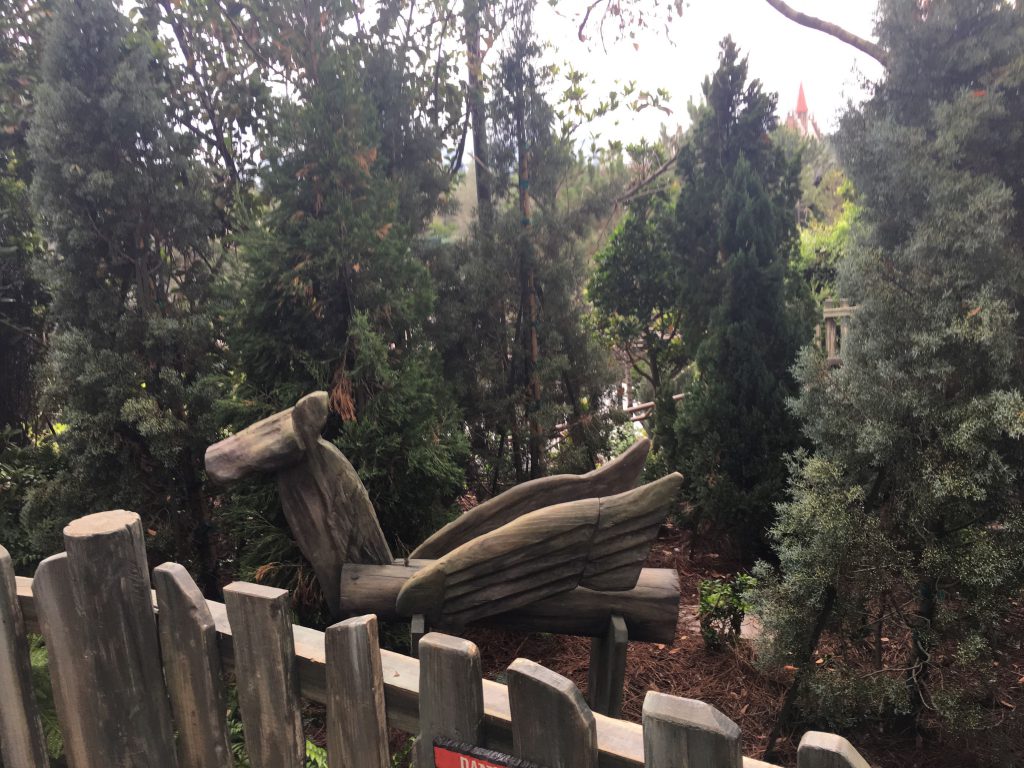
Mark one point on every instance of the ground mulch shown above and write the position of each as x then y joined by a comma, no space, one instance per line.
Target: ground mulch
729,680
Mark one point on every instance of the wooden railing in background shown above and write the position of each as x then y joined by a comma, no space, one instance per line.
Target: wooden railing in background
125,683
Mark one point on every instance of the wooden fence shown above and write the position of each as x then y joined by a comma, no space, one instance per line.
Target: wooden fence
137,680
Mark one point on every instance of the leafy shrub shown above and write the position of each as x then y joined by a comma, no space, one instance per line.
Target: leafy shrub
723,604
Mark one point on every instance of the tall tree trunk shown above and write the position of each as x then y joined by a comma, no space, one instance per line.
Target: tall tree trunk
477,105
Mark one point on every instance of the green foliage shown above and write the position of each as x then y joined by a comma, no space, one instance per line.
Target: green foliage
744,312
907,519
721,607
333,294
131,363
43,690
24,466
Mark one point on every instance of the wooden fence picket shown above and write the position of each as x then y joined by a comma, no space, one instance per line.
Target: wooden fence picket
451,694
686,733
357,730
826,750
192,669
21,734
267,675
96,609
551,723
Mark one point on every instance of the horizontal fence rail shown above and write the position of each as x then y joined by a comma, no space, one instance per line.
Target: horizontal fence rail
540,716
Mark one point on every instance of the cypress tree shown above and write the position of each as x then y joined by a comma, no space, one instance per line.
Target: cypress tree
131,360
735,238
905,525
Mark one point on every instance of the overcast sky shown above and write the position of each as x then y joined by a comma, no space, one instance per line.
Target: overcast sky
782,54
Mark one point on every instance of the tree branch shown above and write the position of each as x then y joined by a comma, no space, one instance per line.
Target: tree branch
874,50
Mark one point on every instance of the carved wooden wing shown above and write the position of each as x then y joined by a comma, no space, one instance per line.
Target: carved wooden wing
597,543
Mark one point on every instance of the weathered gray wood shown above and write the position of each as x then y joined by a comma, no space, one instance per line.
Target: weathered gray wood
551,723
357,731
616,476
327,508
122,678
650,609
22,744
620,743
607,672
265,446
685,733
266,674
192,669
594,543
451,694
826,750
417,629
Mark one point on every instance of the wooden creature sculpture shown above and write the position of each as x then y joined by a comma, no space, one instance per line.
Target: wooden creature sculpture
324,502
541,538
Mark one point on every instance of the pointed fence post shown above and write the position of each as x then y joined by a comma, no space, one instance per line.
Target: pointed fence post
192,668
22,744
357,729
551,723
267,674
451,694
826,750
686,733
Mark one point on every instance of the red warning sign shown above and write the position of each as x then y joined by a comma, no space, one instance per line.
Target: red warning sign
452,754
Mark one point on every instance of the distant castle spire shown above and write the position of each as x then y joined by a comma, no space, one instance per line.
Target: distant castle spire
801,120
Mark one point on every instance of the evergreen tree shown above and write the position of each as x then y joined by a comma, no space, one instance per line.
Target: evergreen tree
905,526
736,236
133,351
334,295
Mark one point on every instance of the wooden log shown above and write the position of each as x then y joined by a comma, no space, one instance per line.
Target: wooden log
826,750
114,664
685,733
265,446
551,723
451,694
357,729
268,680
616,476
620,743
607,673
598,543
650,609
22,744
192,669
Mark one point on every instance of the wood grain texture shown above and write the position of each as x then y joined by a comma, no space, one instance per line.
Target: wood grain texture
357,731
326,505
21,734
619,743
451,701
650,609
826,750
551,723
686,733
265,446
71,674
594,543
110,589
616,476
192,669
607,672
267,675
